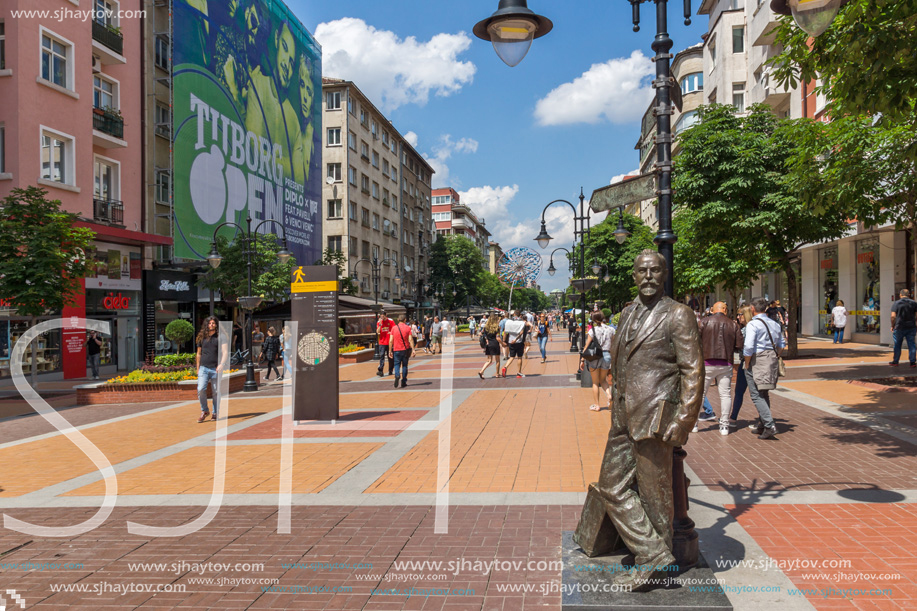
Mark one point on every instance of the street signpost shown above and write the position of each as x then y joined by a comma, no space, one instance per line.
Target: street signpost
314,293
629,191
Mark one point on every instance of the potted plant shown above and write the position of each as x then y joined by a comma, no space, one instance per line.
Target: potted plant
179,331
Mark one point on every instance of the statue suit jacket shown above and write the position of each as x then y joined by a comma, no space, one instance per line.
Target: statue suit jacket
660,368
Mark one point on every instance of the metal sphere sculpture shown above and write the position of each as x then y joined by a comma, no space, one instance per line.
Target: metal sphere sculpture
520,267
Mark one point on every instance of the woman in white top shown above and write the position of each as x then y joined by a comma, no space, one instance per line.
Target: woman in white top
599,368
839,320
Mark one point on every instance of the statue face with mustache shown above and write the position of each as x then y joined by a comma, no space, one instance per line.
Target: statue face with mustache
649,275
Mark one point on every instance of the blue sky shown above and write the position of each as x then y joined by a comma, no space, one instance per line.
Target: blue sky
508,139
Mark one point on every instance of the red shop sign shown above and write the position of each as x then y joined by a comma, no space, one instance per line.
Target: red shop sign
116,302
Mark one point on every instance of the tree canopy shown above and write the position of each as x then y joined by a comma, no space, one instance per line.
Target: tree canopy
270,278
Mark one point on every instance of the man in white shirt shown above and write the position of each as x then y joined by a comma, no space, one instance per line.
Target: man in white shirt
513,335
762,335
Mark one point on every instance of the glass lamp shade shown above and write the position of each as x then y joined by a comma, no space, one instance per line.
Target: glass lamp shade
551,269
512,38
543,238
283,255
250,303
814,16
596,269
214,258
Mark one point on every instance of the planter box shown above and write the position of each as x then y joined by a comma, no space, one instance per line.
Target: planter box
186,390
360,356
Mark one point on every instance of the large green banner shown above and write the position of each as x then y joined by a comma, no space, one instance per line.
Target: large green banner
247,124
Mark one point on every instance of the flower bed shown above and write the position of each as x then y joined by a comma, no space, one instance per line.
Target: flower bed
147,391
358,356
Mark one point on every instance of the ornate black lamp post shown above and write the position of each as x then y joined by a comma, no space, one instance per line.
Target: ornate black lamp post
376,266
249,242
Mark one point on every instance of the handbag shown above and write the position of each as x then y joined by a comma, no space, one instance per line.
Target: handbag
593,351
483,340
781,366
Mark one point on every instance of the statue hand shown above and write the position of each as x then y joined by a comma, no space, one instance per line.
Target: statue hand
675,435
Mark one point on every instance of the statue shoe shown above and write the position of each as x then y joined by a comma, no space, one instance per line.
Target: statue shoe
644,576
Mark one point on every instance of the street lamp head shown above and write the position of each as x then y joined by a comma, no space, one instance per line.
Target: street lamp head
543,238
284,253
621,233
511,30
551,268
454,292
606,278
214,258
596,268
397,279
812,16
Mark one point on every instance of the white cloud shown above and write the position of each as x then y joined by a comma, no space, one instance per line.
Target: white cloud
621,177
411,137
489,203
442,152
617,91
390,70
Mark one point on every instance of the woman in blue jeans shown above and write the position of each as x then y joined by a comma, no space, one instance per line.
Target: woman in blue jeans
544,334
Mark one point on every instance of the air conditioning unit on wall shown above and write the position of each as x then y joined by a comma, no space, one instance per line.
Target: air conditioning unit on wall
96,64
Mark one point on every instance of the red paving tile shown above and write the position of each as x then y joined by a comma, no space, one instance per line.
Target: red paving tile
858,547
353,424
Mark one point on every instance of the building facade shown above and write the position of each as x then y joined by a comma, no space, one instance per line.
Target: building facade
495,253
71,123
454,218
377,196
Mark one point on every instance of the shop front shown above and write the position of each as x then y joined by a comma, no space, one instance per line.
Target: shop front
47,346
168,296
828,287
868,307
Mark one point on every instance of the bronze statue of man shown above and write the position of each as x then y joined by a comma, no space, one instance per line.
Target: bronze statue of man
658,371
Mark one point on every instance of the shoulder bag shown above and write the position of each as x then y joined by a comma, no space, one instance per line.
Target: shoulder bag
781,366
593,351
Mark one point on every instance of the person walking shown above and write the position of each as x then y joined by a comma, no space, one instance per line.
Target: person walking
383,335
504,348
209,365
436,333
763,345
472,324
720,338
904,327
839,321
401,349
427,325
286,352
94,352
746,313
514,335
257,343
601,334
270,352
544,333
490,336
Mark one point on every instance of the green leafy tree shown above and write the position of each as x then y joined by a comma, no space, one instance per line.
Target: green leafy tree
865,60
270,278
42,255
178,332
491,292
732,172
616,259
457,260
336,258
861,166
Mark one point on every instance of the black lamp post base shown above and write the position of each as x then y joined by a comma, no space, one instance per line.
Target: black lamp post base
250,384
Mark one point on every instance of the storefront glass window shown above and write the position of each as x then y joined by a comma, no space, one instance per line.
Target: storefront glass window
827,282
868,290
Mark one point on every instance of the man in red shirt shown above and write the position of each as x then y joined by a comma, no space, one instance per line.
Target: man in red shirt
383,333
401,349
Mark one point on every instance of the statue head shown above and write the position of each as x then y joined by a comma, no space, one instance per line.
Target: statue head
650,273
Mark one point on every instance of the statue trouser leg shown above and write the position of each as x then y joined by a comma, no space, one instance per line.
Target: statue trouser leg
644,521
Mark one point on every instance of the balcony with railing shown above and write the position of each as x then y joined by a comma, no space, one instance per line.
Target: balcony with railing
108,211
108,43
108,128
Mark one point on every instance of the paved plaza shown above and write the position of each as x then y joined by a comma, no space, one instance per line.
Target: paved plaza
824,516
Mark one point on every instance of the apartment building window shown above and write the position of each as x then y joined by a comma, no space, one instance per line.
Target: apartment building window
105,185
2,46
364,150
352,175
388,254
692,82
105,12
353,247
352,141
394,230
332,100
373,130
163,119
353,211
384,138
738,39
712,55
738,96
362,116
163,189
376,190
386,198
350,107
335,209
442,216
376,222
55,61
163,53
375,160
364,183
385,167
375,252
334,136
334,171
56,157
104,93
395,202
365,250
685,121
393,147
335,243
364,217
736,4
2,148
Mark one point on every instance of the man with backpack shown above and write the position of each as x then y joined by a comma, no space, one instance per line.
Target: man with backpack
514,333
